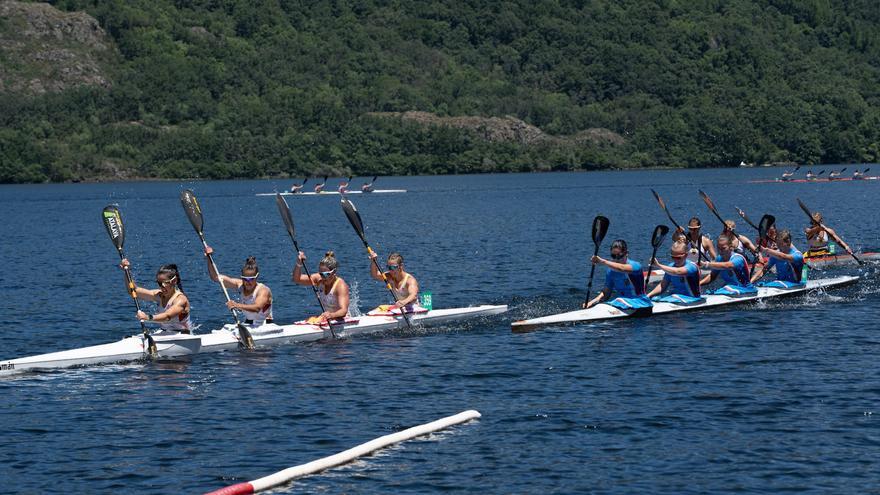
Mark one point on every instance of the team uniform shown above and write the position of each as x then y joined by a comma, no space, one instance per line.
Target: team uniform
264,315
682,288
788,273
630,286
736,279
183,323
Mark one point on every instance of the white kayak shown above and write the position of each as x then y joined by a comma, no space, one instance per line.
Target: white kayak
607,312
335,193
173,344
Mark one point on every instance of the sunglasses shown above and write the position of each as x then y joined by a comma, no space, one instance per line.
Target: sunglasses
393,267
166,283
250,279
677,255
327,274
618,256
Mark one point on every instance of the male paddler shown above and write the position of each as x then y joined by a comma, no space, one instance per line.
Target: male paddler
731,267
625,277
788,261
681,279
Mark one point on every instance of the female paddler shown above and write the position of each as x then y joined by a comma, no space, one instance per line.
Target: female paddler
256,298
332,290
732,268
788,261
404,284
681,279
698,242
173,303
625,277
818,238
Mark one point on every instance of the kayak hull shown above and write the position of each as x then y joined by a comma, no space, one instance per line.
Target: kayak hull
173,345
602,312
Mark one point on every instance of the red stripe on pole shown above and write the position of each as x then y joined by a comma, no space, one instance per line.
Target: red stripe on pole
239,489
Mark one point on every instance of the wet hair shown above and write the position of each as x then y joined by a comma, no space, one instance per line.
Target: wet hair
250,264
695,219
329,260
619,244
171,273
784,236
395,258
730,225
816,217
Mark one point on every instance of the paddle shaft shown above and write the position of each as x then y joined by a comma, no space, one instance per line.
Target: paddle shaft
650,267
592,272
132,291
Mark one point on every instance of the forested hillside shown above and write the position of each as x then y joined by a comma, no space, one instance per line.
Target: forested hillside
254,88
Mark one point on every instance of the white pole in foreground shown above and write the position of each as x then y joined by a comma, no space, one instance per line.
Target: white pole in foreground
349,455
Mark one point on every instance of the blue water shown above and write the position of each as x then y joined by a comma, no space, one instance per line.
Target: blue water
778,397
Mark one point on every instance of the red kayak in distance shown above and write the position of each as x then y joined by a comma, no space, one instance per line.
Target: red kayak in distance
801,181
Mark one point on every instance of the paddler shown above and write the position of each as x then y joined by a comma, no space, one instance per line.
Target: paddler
858,175
625,277
256,298
741,243
818,238
174,305
761,261
788,261
732,268
404,284
297,188
367,187
332,290
811,175
343,186
697,242
787,175
681,279
320,187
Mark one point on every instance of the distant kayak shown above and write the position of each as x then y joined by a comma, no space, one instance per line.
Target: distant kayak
336,193
840,258
801,181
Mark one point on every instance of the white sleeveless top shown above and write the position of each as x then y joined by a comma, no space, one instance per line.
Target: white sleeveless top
183,323
819,241
692,253
265,313
330,301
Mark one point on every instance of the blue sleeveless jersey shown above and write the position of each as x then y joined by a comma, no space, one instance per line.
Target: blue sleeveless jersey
688,284
788,271
739,275
630,284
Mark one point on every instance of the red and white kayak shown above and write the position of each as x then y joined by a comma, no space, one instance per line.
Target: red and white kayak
173,344
802,181
840,259
603,311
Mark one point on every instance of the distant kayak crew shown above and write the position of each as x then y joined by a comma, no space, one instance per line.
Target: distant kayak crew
173,303
256,298
858,175
332,289
731,267
624,277
788,261
403,283
818,238
681,278
811,175
698,242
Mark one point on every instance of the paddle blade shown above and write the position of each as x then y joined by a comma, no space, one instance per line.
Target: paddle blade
284,209
767,221
659,234
113,223
374,179
659,199
192,209
305,180
707,200
353,217
797,168
842,170
600,228
866,170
